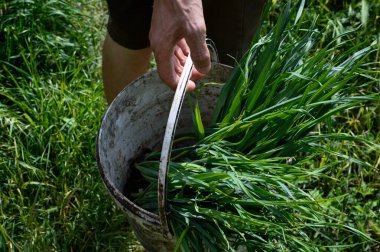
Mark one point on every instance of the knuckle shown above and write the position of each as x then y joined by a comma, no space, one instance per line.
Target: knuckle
197,31
199,57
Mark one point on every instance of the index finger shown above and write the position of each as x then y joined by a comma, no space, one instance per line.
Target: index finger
165,67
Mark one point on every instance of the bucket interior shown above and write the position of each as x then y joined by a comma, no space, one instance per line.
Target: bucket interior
135,122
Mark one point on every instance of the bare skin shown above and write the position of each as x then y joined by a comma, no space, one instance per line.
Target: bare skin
177,28
121,66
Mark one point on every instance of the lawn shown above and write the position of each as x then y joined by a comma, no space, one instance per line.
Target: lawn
52,102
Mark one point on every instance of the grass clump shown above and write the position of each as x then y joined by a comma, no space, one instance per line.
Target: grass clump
51,104
248,182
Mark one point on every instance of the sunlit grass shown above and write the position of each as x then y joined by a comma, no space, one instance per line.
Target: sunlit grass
51,104
263,176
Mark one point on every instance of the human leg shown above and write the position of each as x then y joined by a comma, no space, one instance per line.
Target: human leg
121,66
126,52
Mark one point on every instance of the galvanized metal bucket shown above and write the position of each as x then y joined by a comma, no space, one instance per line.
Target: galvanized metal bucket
134,122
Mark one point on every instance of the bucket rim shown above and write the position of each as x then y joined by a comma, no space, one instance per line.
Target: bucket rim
129,207
121,199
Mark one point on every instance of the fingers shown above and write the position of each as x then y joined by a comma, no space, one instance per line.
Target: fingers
190,86
181,53
199,51
167,69
184,48
173,21
166,54
170,65
178,27
170,60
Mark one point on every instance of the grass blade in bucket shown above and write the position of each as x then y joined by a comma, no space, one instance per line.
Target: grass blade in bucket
245,183
134,123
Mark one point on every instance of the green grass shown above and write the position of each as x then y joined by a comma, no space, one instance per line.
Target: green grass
51,104
236,183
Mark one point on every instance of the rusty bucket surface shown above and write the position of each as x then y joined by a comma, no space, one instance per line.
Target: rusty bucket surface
136,121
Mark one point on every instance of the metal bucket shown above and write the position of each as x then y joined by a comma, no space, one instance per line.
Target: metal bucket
136,121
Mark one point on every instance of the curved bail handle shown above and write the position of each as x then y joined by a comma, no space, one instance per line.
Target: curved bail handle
168,141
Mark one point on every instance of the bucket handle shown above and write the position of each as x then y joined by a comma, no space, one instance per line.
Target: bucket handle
167,144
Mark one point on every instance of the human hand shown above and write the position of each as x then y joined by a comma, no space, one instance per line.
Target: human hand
177,28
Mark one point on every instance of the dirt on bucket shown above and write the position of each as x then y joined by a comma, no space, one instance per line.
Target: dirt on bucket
121,144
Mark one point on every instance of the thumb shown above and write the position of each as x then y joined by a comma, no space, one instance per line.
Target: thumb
199,54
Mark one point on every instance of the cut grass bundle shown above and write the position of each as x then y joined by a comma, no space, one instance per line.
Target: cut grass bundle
245,182
51,104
